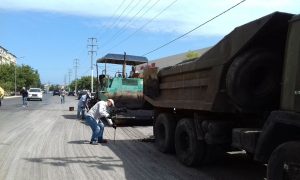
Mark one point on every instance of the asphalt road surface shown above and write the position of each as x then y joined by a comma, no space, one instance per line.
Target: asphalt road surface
46,141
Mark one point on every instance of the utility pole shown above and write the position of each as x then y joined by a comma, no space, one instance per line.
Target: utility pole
70,72
76,64
16,74
124,66
91,44
65,81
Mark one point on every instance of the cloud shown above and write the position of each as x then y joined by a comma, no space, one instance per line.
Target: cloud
179,18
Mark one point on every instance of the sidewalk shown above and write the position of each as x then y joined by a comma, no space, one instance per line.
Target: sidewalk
8,97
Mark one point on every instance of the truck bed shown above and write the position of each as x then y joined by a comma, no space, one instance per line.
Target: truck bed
201,84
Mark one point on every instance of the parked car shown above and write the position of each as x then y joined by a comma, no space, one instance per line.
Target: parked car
71,93
56,92
35,93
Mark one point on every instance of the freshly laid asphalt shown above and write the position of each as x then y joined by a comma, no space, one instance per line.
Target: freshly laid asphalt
46,141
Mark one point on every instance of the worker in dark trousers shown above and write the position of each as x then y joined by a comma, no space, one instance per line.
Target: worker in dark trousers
24,94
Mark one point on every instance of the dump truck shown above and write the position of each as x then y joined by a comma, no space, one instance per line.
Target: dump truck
242,94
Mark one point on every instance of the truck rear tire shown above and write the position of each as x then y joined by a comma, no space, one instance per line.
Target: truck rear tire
284,162
164,130
189,149
253,79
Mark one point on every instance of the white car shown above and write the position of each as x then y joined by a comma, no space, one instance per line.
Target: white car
35,93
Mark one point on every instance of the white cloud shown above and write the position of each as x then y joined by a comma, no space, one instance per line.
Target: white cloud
179,18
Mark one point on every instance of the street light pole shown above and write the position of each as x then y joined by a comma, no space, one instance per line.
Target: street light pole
16,78
92,51
16,74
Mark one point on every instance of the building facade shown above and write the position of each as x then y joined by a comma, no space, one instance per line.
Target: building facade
6,57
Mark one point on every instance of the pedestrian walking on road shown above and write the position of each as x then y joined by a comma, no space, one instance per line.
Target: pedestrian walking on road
94,117
62,96
24,94
83,105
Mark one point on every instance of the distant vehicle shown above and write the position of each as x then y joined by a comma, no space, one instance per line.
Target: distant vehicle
71,93
56,92
35,93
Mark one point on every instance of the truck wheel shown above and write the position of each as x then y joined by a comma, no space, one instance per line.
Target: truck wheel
164,129
284,162
188,149
253,79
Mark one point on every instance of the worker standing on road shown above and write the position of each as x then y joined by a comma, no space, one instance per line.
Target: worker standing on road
83,105
24,94
62,95
94,118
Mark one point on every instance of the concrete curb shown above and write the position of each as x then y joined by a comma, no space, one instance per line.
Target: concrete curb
9,97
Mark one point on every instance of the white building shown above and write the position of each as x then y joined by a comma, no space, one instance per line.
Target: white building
7,57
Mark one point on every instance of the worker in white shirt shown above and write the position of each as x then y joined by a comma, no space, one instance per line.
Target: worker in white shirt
94,118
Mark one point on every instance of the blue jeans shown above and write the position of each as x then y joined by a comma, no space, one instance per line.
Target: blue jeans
97,128
80,111
25,103
62,99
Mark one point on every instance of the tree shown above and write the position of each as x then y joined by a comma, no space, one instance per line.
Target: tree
191,55
7,77
83,83
26,76
54,87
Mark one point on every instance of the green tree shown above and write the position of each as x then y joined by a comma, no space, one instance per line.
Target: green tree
7,80
53,87
83,83
191,55
26,76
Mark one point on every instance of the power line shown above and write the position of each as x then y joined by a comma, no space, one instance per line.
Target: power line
132,8
119,17
122,30
115,12
118,8
145,24
193,29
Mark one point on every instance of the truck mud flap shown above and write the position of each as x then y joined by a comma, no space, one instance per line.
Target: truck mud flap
280,127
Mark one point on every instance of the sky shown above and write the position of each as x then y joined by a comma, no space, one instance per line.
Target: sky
49,35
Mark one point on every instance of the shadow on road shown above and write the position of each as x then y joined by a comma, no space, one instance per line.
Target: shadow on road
103,163
142,161
69,116
79,142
